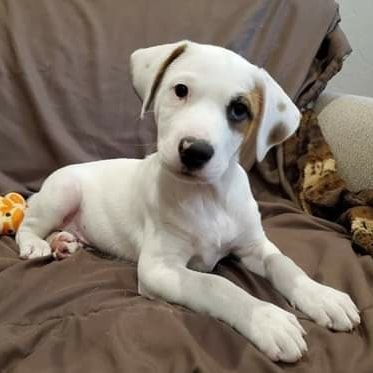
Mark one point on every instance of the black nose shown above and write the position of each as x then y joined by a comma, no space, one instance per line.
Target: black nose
194,153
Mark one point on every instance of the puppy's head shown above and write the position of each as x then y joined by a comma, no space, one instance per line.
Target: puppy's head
207,102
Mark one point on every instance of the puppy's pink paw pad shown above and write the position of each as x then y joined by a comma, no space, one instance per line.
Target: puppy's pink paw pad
64,237
63,244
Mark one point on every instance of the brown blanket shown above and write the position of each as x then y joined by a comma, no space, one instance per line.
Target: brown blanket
65,97
311,169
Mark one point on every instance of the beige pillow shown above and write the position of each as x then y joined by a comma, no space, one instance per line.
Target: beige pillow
347,124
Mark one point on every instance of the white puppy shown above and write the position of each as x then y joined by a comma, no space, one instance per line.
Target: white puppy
183,208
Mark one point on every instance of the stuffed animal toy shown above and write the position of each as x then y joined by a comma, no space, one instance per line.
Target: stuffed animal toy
12,211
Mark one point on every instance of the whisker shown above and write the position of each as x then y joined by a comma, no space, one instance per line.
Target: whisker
144,144
146,113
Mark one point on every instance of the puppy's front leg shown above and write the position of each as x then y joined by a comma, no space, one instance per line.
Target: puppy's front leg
328,307
163,273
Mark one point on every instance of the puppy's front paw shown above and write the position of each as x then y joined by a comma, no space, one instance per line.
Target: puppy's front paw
34,248
277,333
326,306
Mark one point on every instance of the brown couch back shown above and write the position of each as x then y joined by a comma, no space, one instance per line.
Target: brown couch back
65,93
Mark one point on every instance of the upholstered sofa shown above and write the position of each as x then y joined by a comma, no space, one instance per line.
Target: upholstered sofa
66,97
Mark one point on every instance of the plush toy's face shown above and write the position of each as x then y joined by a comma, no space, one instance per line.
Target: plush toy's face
12,210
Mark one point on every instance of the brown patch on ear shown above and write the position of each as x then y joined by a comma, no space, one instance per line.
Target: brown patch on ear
281,106
250,128
162,70
277,134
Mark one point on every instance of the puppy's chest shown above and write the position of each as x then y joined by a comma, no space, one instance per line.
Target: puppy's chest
210,229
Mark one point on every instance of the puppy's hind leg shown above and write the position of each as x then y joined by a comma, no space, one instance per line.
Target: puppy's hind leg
63,244
47,211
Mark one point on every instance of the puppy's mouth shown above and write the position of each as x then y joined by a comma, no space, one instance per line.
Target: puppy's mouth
183,173
186,175
180,172
191,176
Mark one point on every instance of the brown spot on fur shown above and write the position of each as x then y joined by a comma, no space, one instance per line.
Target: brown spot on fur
249,128
162,70
256,105
281,106
244,125
277,134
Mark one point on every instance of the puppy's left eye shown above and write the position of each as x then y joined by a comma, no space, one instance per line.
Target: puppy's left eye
181,90
238,110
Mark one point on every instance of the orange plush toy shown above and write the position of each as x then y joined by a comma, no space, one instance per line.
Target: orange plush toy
12,211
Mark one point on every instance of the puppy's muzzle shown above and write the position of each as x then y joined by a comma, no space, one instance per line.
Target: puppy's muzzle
194,153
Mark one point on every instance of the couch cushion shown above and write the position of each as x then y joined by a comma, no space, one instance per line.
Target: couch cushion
65,93
347,125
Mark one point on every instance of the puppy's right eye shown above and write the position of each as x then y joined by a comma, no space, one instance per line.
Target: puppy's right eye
181,90
238,110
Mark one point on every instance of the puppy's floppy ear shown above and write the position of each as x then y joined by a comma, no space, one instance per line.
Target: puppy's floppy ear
148,66
279,115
